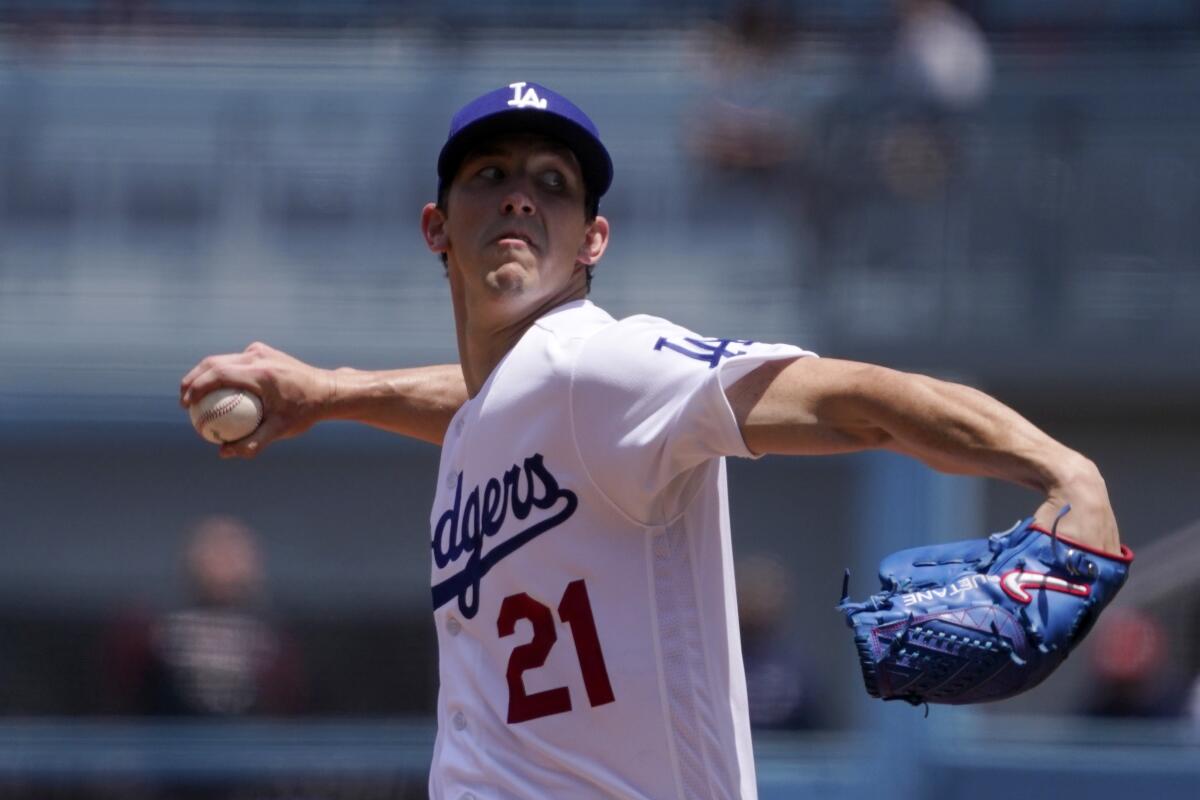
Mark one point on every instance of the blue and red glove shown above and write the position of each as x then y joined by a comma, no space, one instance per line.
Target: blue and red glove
980,620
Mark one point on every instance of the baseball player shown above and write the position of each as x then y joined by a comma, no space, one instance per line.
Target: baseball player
581,566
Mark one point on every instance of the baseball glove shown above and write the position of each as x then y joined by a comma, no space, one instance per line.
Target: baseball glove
980,620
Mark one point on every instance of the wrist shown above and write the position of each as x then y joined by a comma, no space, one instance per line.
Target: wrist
1077,482
1073,473
334,391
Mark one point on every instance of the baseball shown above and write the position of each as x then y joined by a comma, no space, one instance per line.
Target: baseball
226,415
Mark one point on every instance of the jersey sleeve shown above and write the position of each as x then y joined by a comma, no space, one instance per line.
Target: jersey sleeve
648,406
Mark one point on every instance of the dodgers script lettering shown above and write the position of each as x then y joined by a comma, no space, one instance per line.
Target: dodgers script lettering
463,527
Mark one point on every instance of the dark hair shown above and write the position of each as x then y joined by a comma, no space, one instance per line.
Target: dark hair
591,210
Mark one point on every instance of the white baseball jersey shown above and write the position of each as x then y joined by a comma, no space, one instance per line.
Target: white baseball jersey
582,578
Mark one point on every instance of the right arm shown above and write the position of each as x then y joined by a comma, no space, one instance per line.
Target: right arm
417,402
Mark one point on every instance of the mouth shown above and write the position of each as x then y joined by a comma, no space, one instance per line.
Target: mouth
514,238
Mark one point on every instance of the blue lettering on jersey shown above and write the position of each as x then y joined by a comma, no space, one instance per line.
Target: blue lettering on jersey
462,528
708,350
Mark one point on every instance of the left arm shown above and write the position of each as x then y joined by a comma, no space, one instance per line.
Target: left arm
817,406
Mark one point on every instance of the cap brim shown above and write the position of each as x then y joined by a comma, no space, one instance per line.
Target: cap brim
594,161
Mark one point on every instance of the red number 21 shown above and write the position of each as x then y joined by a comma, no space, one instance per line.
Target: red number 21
575,611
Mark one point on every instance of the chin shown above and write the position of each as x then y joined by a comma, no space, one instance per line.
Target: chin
508,278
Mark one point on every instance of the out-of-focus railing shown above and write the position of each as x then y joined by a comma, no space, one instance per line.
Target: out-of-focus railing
952,749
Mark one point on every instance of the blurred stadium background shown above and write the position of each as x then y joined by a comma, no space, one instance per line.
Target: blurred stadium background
1002,192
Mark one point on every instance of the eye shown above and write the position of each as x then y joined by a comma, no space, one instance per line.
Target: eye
491,173
553,179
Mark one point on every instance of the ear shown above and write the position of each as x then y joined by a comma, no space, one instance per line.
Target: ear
595,242
433,228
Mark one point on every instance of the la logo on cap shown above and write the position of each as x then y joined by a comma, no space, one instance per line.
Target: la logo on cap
527,100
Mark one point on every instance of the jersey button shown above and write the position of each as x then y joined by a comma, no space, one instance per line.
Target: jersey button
458,426
459,721
466,796
453,626
451,480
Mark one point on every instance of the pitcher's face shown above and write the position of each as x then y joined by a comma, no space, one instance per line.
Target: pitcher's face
514,227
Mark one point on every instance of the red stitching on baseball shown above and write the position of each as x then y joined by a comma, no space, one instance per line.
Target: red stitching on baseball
220,409
224,407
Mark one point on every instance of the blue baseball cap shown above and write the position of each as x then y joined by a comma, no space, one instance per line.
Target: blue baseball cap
524,107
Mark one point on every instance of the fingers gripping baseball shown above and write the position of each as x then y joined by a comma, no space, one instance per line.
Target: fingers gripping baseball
270,430
294,395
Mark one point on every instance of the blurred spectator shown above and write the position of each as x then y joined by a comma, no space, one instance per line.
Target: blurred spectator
1192,659
219,655
1130,669
747,122
778,679
1193,702
758,131
941,56
940,68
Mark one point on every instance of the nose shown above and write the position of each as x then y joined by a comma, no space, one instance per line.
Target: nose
517,203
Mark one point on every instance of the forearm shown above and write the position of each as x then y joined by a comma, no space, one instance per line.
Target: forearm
818,406
957,429
954,428
417,402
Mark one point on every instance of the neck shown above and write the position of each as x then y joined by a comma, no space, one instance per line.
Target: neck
486,333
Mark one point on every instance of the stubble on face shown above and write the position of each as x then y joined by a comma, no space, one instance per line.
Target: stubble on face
510,275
